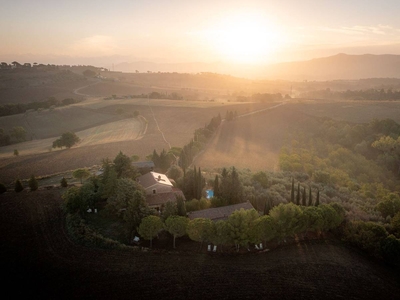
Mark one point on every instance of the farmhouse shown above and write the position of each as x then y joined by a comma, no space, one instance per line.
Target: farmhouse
159,189
219,213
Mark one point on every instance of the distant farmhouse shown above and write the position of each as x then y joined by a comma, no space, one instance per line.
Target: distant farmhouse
159,189
219,213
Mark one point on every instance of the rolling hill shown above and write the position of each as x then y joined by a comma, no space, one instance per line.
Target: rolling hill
340,66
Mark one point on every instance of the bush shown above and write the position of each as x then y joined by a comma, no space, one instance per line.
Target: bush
81,233
18,186
367,236
33,183
63,182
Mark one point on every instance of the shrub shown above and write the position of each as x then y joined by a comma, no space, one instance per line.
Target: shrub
33,183
18,186
84,235
63,182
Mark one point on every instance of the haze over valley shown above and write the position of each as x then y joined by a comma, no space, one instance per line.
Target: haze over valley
210,150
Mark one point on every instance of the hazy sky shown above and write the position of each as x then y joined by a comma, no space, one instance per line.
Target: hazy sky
197,31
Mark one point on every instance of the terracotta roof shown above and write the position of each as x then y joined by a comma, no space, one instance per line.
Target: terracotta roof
219,213
152,178
162,198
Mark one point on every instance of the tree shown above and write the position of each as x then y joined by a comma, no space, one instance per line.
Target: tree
79,199
309,197
331,218
200,230
67,139
180,206
298,194
108,181
33,183
124,193
63,182
170,209
19,133
292,192
304,197
263,230
176,225
89,73
150,227
81,174
18,186
261,178
286,218
123,166
216,186
16,153
317,200
312,219
174,172
135,158
241,224
220,233
136,210
389,206
395,222
390,148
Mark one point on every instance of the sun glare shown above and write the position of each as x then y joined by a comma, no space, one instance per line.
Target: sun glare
245,38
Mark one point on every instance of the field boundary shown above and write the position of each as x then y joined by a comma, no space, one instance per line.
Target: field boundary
158,127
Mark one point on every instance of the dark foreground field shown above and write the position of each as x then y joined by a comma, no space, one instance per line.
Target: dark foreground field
38,260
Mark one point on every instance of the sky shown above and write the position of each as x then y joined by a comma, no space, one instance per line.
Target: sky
177,31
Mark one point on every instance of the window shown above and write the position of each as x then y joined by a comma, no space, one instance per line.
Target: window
154,191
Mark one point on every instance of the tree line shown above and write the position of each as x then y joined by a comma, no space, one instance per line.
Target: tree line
19,108
369,94
246,227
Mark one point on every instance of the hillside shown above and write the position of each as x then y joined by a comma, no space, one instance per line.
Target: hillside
37,253
31,85
340,66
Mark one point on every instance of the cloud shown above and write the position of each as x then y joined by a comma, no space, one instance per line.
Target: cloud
95,45
362,30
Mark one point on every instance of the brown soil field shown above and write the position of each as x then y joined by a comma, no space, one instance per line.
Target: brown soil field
52,123
253,141
38,256
176,123
351,111
106,89
34,94
118,131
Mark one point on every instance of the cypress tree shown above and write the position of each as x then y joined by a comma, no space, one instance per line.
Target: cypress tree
304,197
317,201
33,184
267,207
18,186
195,182
292,192
216,186
298,194
199,184
309,197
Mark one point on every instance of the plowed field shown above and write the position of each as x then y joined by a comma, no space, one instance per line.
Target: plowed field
253,141
38,257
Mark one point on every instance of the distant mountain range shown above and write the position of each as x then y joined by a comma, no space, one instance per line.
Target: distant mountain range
340,66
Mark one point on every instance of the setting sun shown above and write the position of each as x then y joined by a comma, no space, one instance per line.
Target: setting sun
245,38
